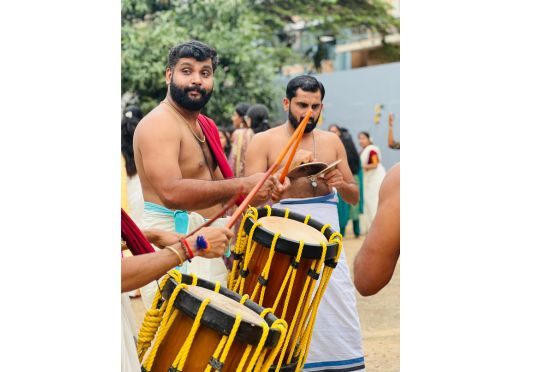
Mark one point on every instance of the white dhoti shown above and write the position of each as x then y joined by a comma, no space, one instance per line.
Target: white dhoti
129,361
336,338
158,217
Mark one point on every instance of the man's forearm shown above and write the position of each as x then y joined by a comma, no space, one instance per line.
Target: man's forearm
349,192
193,194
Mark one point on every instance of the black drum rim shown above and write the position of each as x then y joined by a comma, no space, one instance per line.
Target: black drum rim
288,246
216,319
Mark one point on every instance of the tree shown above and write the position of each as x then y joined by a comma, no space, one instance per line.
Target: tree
251,38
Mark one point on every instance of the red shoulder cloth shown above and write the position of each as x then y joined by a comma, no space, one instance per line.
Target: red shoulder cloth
132,235
212,135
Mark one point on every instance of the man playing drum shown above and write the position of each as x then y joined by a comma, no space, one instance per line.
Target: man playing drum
336,338
184,173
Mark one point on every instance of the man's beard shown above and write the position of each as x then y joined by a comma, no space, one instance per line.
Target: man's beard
180,96
309,126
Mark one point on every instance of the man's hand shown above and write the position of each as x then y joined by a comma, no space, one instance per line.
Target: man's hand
218,239
161,238
334,178
279,189
264,193
300,157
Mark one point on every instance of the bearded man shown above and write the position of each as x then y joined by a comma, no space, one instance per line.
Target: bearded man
184,174
336,338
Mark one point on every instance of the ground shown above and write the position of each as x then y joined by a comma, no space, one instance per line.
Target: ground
379,318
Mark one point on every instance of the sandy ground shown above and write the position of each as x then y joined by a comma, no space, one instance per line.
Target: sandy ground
379,318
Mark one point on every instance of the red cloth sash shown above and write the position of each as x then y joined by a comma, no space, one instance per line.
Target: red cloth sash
132,235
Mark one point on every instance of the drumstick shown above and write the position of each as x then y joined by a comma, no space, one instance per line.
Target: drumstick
269,172
219,214
298,139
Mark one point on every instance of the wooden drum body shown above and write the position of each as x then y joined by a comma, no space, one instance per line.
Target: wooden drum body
283,261
202,327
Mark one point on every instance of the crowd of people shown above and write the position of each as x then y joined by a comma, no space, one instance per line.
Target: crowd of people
179,168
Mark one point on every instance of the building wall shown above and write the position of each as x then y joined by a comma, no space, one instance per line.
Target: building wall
350,100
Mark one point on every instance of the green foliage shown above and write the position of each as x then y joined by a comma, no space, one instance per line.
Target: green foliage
249,36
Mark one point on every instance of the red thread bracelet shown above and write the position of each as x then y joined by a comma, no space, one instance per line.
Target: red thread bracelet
190,253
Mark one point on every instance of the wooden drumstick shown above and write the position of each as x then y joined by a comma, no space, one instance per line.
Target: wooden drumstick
219,214
269,172
295,147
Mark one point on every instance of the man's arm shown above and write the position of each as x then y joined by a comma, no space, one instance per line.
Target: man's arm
341,178
375,262
159,146
137,271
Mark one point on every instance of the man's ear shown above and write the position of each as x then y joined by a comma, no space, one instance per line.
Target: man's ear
168,75
286,104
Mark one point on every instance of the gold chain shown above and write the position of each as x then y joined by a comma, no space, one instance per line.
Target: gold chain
201,140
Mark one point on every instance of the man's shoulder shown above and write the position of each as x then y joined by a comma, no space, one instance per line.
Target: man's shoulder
268,135
157,120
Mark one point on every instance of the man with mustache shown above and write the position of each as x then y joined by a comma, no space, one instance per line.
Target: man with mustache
336,337
184,174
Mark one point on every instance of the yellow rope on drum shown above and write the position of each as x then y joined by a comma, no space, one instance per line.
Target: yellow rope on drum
221,357
328,271
265,272
153,317
240,245
307,308
168,318
292,279
282,326
251,247
180,358
307,219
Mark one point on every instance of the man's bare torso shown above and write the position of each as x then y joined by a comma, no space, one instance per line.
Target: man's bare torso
318,142
194,157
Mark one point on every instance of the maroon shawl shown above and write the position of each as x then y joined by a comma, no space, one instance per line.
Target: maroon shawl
212,134
132,235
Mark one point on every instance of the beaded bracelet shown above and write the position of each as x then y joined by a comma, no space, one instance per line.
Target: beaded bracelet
185,246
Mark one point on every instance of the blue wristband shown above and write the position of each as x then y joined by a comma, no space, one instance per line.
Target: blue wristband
201,242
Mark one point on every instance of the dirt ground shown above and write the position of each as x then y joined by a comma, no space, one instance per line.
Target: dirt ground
379,318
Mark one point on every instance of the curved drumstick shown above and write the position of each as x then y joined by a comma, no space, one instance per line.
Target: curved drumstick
219,214
298,139
269,172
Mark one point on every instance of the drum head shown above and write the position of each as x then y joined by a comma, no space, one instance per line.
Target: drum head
221,311
292,229
225,304
306,169
296,228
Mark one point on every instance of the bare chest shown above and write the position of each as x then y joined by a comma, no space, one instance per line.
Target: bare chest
320,149
195,158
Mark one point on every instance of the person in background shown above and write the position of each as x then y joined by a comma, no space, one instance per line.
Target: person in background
240,138
374,172
345,210
257,118
392,143
132,197
225,141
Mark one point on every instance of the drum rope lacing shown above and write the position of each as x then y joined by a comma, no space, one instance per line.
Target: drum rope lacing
306,309
164,316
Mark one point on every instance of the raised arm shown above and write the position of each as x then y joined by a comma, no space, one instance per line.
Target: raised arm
391,142
376,260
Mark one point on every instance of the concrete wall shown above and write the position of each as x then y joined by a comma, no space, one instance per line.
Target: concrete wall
350,99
